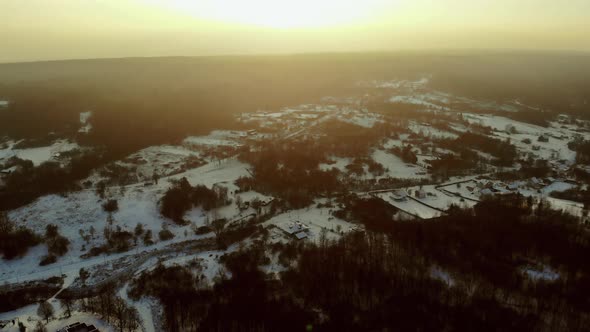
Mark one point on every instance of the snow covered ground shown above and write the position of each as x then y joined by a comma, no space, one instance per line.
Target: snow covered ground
163,160
363,119
430,132
78,212
38,155
81,211
410,206
86,126
29,319
28,314
396,168
313,219
216,138
338,163
544,273
518,132
422,100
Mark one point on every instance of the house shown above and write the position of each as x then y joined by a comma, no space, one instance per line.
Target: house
295,229
79,327
536,183
500,189
399,196
420,194
486,192
301,235
513,186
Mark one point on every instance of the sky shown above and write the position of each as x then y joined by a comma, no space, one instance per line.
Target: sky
32,30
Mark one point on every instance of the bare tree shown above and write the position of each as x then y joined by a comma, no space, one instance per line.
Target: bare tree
66,304
218,226
40,327
45,310
6,225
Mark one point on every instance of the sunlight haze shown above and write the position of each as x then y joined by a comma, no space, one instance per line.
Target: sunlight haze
65,29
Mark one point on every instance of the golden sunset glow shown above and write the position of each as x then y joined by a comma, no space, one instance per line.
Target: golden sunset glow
57,29
280,14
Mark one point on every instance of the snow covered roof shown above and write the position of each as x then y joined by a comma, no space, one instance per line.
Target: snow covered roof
301,235
294,228
513,186
486,192
79,327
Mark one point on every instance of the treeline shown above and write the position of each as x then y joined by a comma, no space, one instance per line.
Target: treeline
497,239
461,272
366,282
111,308
181,197
503,151
246,301
29,182
57,245
28,293
289,171
574,194
405,153
344,139
536,117
582,148
388,279
15,241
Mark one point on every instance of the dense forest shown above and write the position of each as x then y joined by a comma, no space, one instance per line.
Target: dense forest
462,272
171,97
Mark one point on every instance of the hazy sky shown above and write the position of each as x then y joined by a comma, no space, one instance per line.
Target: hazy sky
66,29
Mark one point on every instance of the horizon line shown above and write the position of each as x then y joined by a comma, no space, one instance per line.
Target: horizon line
423,51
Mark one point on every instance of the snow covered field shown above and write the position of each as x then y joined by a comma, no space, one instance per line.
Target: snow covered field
430,132
38,155
216,138
398,169
211,160
81,211
314,220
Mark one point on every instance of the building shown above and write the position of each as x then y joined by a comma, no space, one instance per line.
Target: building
79,327
295,229
399,196
421,194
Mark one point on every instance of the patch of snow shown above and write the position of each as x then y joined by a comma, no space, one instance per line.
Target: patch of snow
410,206
427,131
557,186
396,168
85,122
312,220
546,274
442,275
337,162
215,138
41,154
